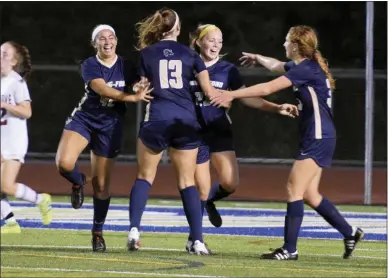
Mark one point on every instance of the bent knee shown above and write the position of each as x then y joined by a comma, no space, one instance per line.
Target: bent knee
100,185
149,176
313,199
230,185
65,164
294,192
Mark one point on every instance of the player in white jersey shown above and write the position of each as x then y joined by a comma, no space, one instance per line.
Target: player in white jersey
15,110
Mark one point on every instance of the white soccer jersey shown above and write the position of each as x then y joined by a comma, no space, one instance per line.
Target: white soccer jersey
14,135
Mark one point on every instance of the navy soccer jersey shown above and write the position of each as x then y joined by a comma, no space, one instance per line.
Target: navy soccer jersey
223,76
118,76
312,90
170,66
217,133
98,119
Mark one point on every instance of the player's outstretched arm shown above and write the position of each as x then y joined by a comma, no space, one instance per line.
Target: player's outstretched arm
272,64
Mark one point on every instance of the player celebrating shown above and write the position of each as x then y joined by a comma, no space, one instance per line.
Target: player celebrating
217,141
98,122
170,121
313,84
15,110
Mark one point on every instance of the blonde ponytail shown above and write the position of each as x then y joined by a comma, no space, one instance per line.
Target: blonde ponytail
324,66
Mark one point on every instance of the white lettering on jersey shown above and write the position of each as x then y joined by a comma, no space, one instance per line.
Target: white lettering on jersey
216,84
116,84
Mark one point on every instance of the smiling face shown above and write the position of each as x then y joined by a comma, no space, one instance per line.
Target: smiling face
105,43
8,60
211,45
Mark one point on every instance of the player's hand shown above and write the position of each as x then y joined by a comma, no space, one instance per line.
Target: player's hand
288,110
248,60
143,90
222,100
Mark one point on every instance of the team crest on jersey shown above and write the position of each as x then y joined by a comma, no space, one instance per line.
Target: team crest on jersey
168,52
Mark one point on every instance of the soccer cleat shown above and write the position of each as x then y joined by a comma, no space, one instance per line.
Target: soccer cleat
133,243
214,215
98,242
280,254
351,242
200,248
77,194
45,209
11,227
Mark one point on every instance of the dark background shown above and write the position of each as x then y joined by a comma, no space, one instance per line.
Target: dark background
58,33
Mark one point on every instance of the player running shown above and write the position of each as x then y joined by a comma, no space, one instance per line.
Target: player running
15,110
97,121
313,84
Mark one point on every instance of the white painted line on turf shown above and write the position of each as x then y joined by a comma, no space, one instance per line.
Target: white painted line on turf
88,247
218,207
163,249
109,271
373,250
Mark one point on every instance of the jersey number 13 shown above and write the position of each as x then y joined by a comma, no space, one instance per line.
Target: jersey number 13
170,74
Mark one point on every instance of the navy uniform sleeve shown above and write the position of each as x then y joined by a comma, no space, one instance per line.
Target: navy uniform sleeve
199,64
299,75
90,70
289,65
235,79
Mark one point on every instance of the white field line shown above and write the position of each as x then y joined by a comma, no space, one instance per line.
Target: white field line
218,207
162,249
109,271
183,233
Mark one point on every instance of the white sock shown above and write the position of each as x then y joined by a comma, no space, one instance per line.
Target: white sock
5,210
27,194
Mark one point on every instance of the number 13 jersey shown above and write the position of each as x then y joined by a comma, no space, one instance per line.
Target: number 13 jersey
170,66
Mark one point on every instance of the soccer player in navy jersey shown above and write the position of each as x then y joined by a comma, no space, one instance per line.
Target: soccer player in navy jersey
313,84
97,121
170,120
217,143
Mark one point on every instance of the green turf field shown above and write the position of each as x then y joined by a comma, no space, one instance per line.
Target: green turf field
60,253
54,253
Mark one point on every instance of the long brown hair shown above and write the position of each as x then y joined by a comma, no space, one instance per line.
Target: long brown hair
153,28
23,58
306,39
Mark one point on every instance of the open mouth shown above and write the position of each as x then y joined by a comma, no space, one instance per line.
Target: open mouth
108,47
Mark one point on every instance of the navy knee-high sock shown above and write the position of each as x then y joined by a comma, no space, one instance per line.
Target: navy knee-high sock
329,212
74,176
292,223
192,208
217,192
137,201
203,203
100,211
